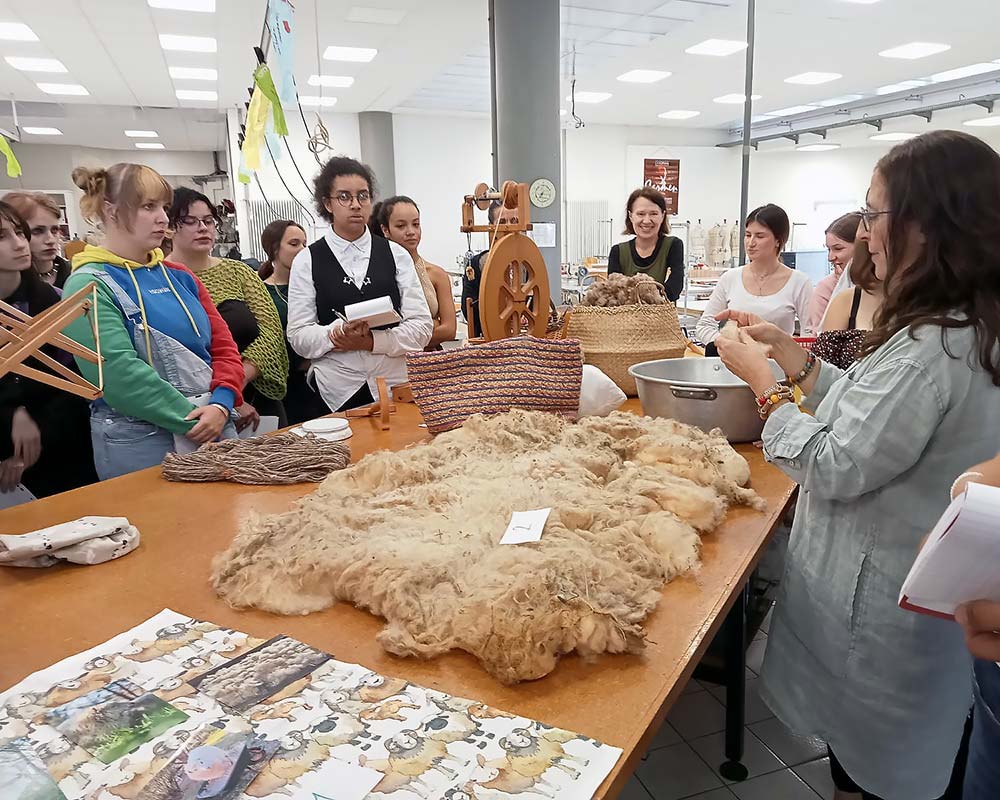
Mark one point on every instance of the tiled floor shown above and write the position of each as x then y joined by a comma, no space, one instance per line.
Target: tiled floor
684,758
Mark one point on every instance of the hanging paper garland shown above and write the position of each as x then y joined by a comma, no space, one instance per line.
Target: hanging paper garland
263,80
13,165
281,24
254,134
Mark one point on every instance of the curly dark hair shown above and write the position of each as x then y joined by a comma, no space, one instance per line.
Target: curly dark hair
333,169
184,198
945,184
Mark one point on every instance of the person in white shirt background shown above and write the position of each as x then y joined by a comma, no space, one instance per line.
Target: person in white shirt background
774,292
347,266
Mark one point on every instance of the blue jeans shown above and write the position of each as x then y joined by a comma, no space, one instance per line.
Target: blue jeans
982,775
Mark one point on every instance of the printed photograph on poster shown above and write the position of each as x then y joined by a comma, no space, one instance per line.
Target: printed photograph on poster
118,690
23,775
259,673
664,175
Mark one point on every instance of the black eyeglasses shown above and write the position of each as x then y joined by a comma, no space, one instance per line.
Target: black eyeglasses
346,198
868,216
193,222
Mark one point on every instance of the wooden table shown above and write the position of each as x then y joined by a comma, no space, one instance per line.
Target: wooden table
622,700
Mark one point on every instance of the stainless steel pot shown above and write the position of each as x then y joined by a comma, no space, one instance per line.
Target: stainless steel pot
701,392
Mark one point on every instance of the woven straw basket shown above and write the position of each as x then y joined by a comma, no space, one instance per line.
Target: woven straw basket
616,338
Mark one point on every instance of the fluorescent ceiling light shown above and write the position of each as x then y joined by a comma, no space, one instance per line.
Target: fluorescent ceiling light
142,134
376,16
678,114
963,72
36,64
42,131
814,78
149,146
643,76
336,81
17,32
590,97
843,100
194,73
983,122
313,100
734,99
903,86
188,44
915,50
861,2
201,6
63,88
196,94
818,147
893,137
791,111
359,54
717,47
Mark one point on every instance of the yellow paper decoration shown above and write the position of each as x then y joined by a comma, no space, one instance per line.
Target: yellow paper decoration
13,165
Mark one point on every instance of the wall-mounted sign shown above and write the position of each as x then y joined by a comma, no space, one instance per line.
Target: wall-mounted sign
664,175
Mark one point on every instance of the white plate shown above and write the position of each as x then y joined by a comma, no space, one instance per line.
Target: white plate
336,436
325,425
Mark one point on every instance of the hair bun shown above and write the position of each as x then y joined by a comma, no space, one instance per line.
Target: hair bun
93,181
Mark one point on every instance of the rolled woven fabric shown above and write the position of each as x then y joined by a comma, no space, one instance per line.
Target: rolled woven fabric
265,461
494,377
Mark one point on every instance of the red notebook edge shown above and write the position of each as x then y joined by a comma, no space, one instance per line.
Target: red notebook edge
905,604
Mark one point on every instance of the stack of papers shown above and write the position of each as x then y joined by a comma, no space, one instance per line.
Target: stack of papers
376,313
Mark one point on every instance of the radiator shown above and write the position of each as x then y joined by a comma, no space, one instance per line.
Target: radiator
588,230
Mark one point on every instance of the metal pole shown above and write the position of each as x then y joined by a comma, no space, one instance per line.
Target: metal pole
747,117
493,94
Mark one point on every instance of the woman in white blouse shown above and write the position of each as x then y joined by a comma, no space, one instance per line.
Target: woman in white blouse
776,293
347,266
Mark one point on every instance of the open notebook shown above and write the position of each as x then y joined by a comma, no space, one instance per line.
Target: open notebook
961,560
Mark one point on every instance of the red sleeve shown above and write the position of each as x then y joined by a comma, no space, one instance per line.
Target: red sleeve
227,366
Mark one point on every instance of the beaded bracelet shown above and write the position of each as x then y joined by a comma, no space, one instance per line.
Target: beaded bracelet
767,401
805,371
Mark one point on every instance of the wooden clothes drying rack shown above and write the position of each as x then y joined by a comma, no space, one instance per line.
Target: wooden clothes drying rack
23,337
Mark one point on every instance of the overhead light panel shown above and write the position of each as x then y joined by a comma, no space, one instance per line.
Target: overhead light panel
335,81
63,88
678,114
735,99
814,78
915,50
42,131
861,2
791,111
322,102
963,72
590,97
358,54
16,32
36,64
843,100
643,76
188,44
198,6
817,147
150,146
903,86
983,122
899,136
717,47
194,73
142,134
563,112
196,94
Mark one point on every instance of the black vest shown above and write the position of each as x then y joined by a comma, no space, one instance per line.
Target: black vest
335,289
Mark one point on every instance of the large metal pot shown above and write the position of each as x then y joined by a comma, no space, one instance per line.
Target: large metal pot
701,392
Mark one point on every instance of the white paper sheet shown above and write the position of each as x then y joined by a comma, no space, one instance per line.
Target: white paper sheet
267,425
376,312
544,234
15,497
526,526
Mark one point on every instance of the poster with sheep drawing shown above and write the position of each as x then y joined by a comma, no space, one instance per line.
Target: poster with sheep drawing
279,720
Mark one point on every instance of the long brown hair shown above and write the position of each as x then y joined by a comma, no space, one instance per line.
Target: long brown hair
946,184
862,269
270,241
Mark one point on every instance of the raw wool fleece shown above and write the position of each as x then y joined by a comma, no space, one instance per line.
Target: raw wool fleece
412,537
618,290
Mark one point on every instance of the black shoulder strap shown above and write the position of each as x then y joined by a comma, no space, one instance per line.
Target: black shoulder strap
852,322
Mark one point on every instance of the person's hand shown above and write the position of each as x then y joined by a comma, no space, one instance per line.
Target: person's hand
11,471
250,372
211,420
789,354
352,336
27,439
246,416
748,362
981,622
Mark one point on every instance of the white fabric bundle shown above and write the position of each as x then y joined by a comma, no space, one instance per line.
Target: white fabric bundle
88,540
599,395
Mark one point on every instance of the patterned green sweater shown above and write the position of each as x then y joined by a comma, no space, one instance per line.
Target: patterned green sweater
234,280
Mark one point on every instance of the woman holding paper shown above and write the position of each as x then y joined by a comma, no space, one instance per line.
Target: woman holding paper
888,690
346,267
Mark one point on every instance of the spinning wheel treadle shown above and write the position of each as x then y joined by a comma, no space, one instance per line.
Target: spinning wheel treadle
514,293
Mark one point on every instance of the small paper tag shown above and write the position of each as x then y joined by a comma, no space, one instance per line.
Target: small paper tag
337,780
526,526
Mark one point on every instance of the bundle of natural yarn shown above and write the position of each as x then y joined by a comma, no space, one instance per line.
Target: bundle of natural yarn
413,536
618,290
263,461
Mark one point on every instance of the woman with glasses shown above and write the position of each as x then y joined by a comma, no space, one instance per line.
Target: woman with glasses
348,265
652,251
875,450
242,300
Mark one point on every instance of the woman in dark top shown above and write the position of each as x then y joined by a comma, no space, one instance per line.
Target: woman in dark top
653,251
44,432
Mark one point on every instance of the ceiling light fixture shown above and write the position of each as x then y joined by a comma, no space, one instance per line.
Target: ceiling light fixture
814,78
358,54
963,72
899,136
63,88
17,32
590,97
313,100
42,131
843,100
678,114
915,50
861,2
818,147
336,81
142,134
196,94
735,99
194,73
983,122
36,64
199,6
643,76
717,47
791,111
188,44
902,86
150,146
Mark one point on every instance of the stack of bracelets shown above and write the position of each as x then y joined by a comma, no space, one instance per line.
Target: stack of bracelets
781,392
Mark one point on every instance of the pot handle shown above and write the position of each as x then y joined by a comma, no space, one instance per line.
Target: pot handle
696,393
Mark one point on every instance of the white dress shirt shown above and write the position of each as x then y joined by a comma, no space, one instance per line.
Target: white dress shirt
339,375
